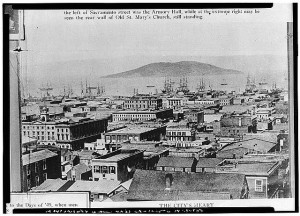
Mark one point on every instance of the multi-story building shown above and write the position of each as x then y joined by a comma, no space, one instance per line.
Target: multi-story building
74,132
194,116
225,101
238,100
118,165
176,102
208,101
142,115
135,134
180,133
236,124
69,133
264,177
39,166
263,114
142,102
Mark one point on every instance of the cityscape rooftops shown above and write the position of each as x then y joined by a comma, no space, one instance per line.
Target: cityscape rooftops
247,167
131,130
255,144
209,162
50,185
37,156
176,161
151,185
140,111
102,186
118,155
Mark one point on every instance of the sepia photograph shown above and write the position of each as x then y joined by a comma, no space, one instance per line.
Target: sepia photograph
117,107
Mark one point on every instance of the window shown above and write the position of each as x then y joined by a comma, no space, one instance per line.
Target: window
183,133
104,169
28,170
45,176
36,167
96,169
44,164
259,185
112,169
37,181
28,184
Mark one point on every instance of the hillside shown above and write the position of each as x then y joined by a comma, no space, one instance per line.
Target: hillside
177,69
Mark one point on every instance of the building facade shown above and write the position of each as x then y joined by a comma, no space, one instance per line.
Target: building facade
69,133
238,124
39,166
180,134
142,115
118,165
142,103
135,134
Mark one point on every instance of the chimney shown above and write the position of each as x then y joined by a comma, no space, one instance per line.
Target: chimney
240,122
281,144
169,181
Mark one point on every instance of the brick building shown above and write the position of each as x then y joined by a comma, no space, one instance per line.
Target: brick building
236,124
39,166
69,133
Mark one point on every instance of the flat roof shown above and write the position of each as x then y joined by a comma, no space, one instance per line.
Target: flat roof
118,157
139,111
131,130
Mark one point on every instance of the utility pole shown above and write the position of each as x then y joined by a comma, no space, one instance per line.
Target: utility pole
16,47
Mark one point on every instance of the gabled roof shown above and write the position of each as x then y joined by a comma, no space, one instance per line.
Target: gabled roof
254,144
87,154
208,162
37,156
50,185
151,185
176,161
127,184
80,168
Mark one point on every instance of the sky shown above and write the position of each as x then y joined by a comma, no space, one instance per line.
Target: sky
124,45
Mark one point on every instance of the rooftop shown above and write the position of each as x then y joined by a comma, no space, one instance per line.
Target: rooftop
140,111
87,154
209,162
247,167
118,155
50,185
101,186
131,130
176,161
37,156
26,139
151,185
254,143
